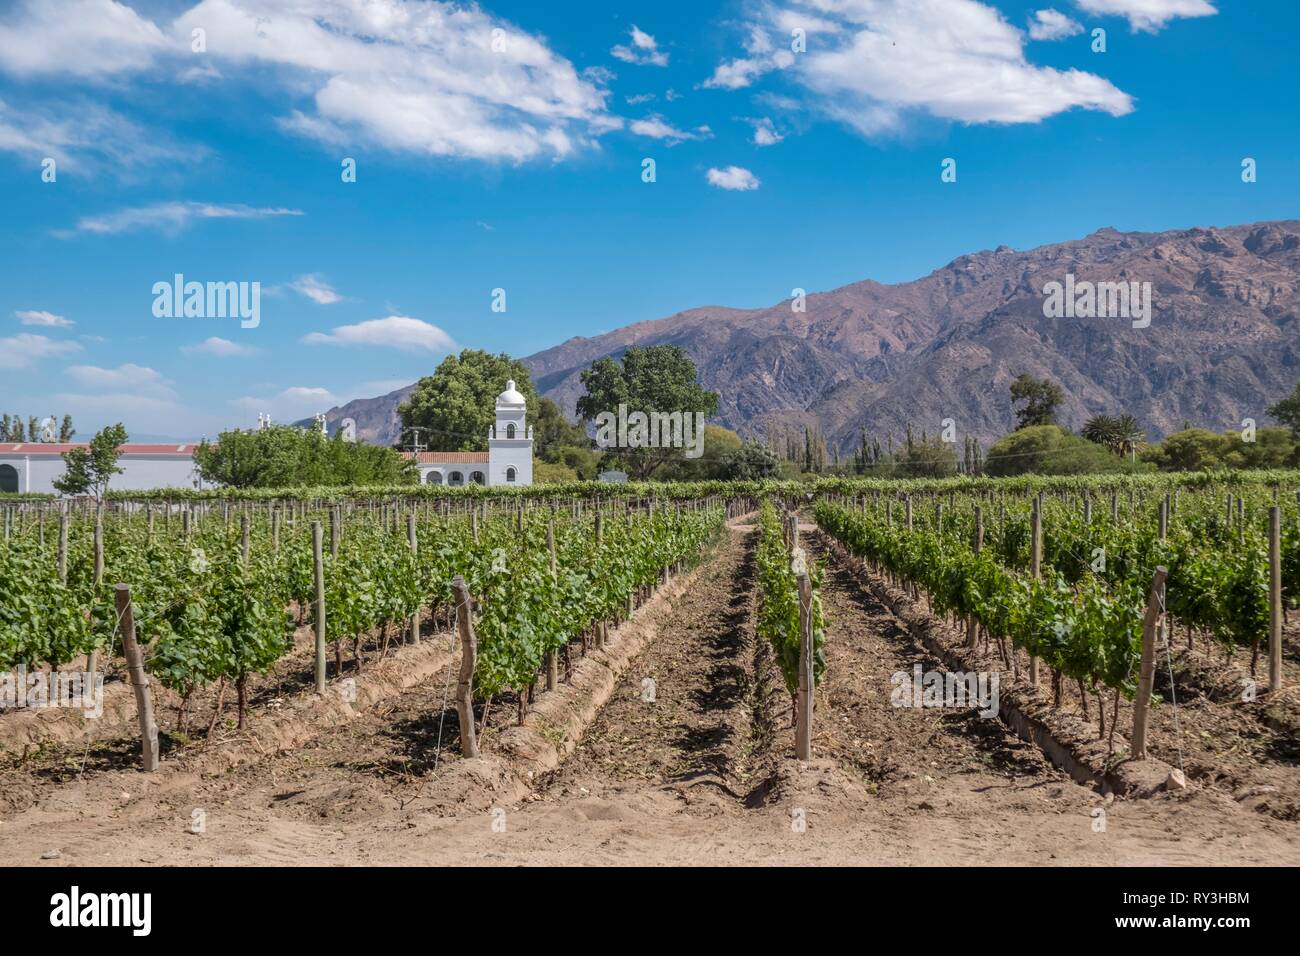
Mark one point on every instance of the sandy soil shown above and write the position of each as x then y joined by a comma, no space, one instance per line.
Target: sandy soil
704,773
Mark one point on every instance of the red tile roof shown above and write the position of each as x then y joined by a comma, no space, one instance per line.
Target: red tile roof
448,457
53,448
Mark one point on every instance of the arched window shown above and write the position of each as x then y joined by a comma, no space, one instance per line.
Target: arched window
433,478
510,473
510,430
476,477
455,478
9,478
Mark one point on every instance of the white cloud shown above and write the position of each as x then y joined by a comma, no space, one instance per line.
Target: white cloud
1053,25
220,348
872,62
40,317
125,379
169,217
765,133
25,349
1149,15
291,404
430,78
396,331
315,287
639,99
83,135
656,127
644,51
733,177
85,38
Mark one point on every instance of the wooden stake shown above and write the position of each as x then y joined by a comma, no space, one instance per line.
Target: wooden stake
1274,599
318,567
1146,675
468,659
804,704
414,636
139,680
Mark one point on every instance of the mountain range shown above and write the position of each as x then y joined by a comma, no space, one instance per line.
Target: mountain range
1223,342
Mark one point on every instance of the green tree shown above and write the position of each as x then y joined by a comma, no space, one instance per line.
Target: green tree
1041,399
927,458
456,405
90,469
66,431
660,378
284,456
554,434
1287,411
1050,450
752,461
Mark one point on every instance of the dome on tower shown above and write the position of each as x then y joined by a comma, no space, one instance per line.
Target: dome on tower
510,396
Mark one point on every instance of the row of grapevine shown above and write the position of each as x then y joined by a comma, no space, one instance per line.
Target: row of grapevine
778,608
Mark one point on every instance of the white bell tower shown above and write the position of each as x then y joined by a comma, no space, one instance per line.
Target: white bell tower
510,443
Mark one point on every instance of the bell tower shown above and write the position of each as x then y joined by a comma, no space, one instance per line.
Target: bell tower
510,442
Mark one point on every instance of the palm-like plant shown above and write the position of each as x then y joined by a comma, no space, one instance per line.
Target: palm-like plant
1122,435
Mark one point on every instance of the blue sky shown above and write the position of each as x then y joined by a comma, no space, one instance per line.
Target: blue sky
514,160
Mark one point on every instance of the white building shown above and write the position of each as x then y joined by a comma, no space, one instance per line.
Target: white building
31,467
508,460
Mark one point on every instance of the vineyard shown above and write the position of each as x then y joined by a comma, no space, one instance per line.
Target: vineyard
495,635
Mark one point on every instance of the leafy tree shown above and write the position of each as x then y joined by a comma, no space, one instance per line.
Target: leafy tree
1050,450
66,431
1123,435
284,456
1041,399
554,434
927,457
90,469
1192,449
719,444
751,461
1198,449
661,378
456,405
1287,411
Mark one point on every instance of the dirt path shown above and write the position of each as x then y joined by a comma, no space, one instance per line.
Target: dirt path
701,774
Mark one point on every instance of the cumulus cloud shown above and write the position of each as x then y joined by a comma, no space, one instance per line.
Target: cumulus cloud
870,63
425,76
128,378
395,331
643,51
315,287
25,349
290,404
217,347
41,317
169,217
732,177
765,133
85,38
1149,16
656,127
1052,25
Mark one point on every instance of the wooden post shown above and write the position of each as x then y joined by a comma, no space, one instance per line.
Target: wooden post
972,625
908,504
804,705
318,563
1164,518
1146,675
552,665
1035,568
468,658
139,680
244,542
1274,599
411,536
275,530
336,530
63,547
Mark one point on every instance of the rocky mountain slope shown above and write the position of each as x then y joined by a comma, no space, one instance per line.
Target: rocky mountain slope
1222,345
